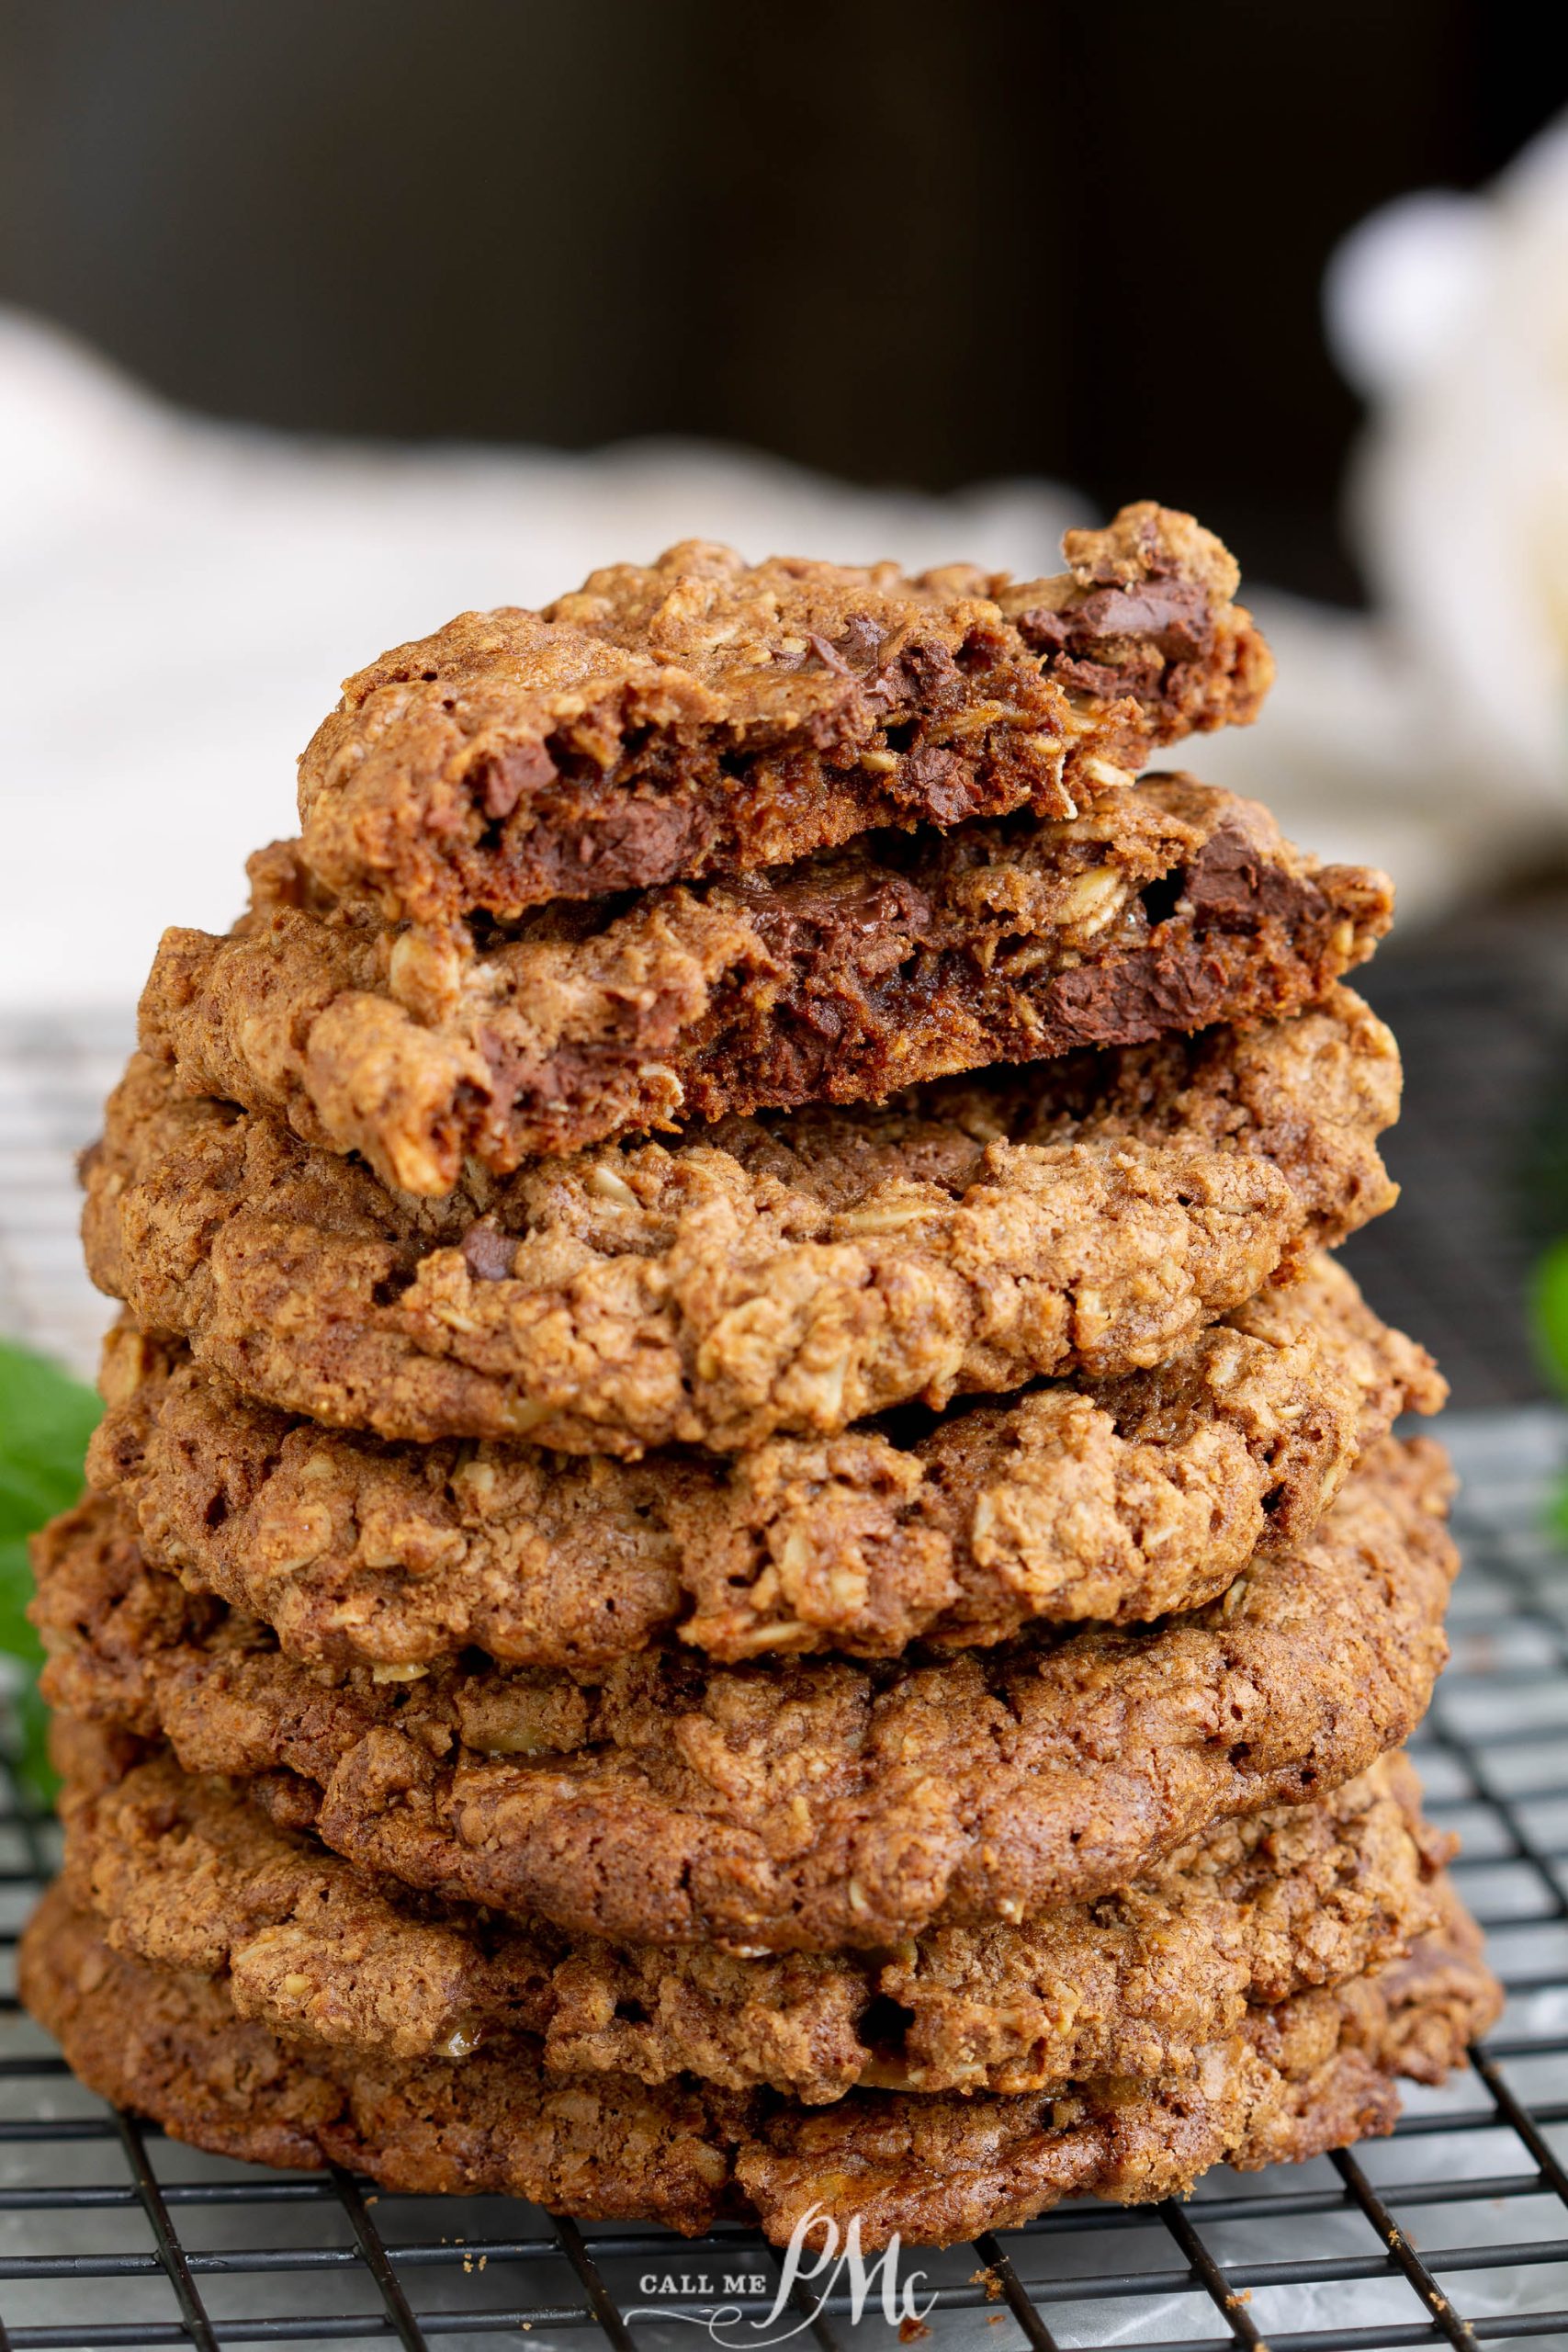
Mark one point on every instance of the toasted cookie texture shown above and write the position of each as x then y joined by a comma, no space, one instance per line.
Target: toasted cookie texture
792,1803
842,979
1313,2073
1118,1500
185,1873
701,716
790,1273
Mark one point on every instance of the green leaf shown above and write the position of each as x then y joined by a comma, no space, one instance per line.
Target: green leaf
46,1420
1549,1303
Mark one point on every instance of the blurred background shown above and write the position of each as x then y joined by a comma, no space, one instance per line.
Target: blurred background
901,249
318,323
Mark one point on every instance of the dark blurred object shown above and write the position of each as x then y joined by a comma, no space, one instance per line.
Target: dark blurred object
1480,1011
921,248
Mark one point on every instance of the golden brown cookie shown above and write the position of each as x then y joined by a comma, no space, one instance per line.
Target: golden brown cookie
1314,2073
793,1804
182,1872
1118,1500
764,1276
895,959
703,715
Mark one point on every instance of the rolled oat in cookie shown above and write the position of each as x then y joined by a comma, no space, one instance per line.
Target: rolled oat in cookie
792,1803
842,979
1118,1500
701,716
186,1874
1314,2073
791,1273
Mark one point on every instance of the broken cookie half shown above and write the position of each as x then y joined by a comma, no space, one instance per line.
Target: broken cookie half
702,716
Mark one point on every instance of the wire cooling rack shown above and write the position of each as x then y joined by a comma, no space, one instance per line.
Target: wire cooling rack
1454,2231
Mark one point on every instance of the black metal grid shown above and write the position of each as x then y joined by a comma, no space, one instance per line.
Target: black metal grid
1481,1149
1454,2231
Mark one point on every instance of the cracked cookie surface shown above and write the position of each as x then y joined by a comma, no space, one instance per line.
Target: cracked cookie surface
794,1804
1313,2073
895,959
701,716
791,1273
1117,1500
185,1873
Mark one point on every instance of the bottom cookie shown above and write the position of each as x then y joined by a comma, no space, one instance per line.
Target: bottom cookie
1314,2073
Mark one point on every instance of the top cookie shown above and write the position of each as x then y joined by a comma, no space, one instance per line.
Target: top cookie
703,715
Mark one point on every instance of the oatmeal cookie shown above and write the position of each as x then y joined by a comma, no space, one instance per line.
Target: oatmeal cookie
1118,1500
792,1803
703,715
897,958
1314,2073
185,1873
768,1275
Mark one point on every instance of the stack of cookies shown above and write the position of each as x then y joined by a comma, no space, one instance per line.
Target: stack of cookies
746,1558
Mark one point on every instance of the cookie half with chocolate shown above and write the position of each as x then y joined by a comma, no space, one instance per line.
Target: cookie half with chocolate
842,979
702,716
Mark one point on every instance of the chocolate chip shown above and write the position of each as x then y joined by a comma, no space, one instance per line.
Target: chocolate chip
854,652
861,643
936,781
487,1253
525,767
1175,618
828,655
